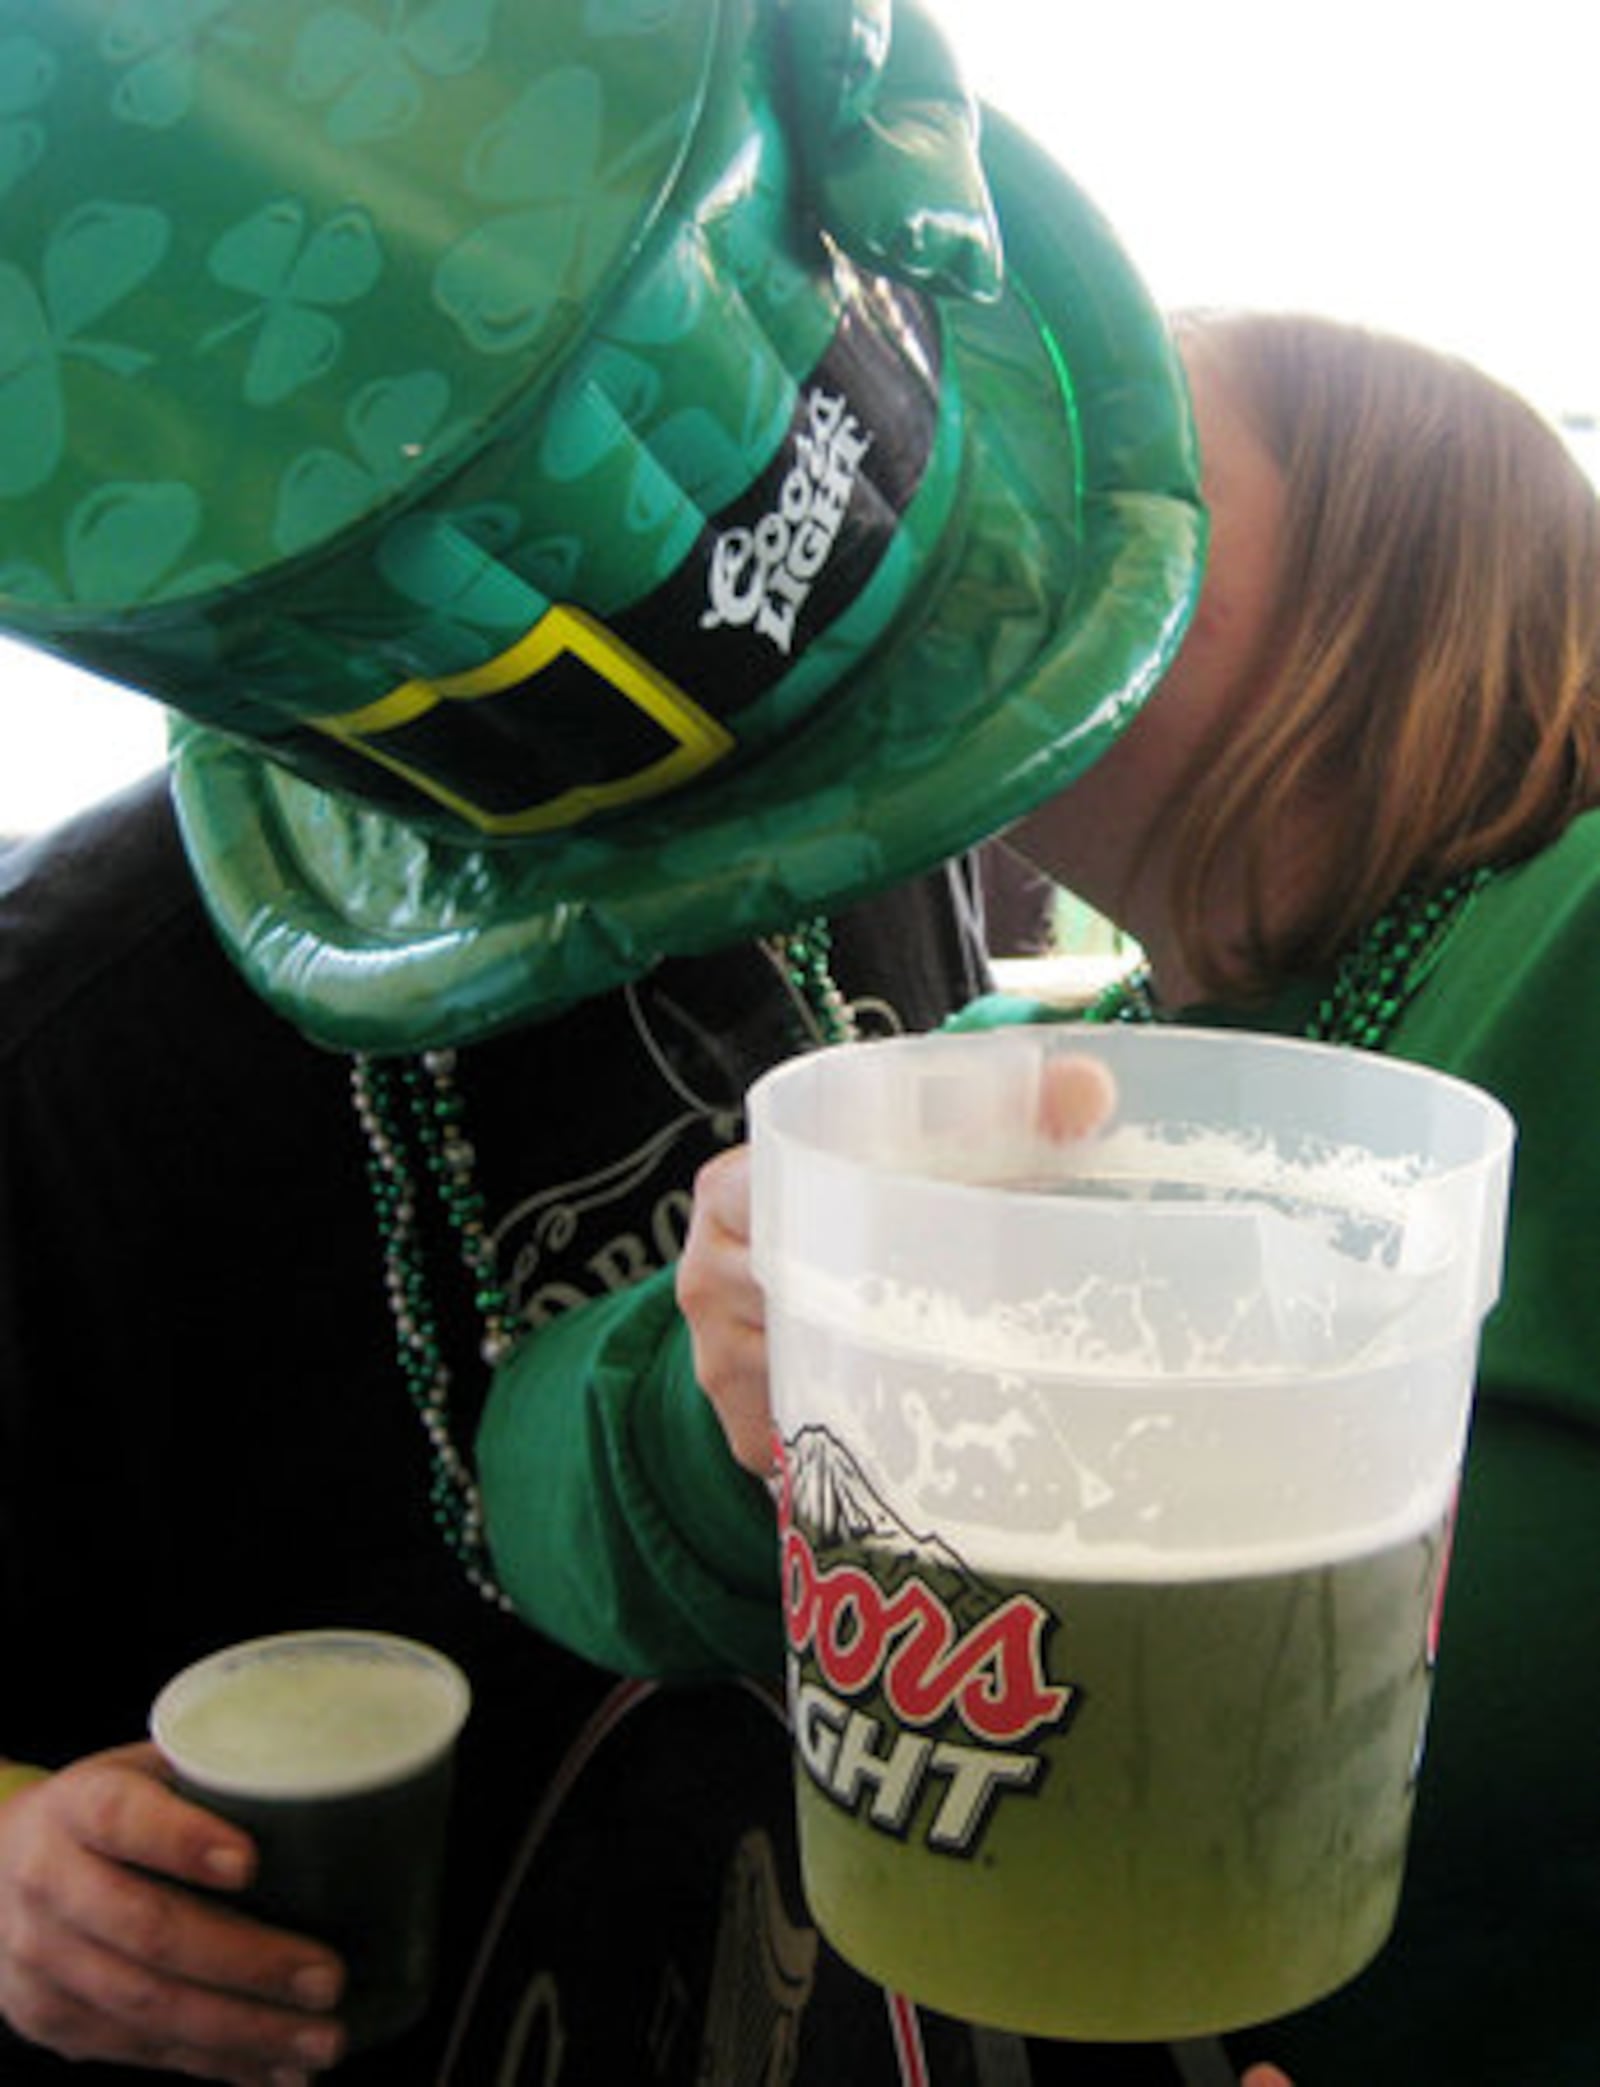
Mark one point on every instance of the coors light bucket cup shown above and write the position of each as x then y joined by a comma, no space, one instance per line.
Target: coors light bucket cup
1117,1480
335,1750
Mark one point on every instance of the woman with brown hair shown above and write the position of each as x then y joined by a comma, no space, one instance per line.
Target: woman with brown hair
1392,676
1360,808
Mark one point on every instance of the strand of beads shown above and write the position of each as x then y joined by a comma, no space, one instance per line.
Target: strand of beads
1124,1000
399,1103
1374,981
1389,964
805,956
425,1091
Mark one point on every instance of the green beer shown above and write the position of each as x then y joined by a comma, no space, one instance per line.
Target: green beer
1205,1827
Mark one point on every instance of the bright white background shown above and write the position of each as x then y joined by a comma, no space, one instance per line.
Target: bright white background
1415,164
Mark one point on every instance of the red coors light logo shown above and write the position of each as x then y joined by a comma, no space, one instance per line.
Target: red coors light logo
936,1649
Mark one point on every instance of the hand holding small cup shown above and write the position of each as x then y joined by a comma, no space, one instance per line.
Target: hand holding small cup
105,1955
334,1751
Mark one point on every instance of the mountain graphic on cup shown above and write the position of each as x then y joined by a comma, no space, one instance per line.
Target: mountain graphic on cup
831,1498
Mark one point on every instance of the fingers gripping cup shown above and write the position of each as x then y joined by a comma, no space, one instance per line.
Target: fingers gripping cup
1117,1477
334,1750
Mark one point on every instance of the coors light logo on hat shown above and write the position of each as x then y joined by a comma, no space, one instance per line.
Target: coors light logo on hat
580,716
590,485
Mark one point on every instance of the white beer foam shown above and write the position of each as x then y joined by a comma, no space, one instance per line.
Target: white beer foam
311,1715
987,1551
982,1434
1224,1164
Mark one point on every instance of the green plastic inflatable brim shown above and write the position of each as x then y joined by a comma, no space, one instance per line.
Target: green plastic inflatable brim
1059,609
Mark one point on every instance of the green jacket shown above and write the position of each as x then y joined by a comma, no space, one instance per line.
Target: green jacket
621,1526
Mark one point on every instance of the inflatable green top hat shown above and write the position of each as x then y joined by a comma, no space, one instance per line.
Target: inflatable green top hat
593,478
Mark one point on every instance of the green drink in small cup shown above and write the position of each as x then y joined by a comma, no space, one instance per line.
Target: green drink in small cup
334,1750
1117,1476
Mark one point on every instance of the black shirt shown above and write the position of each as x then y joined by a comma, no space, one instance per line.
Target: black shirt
203,1433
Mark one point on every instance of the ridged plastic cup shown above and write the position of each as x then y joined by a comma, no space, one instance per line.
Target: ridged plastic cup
1117,1481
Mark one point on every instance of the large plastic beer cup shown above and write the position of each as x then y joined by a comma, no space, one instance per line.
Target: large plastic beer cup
334,1749
1117,1481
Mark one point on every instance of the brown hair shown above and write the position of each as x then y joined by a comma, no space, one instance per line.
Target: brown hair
1434,658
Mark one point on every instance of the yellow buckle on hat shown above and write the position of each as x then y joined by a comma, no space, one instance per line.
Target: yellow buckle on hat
561,632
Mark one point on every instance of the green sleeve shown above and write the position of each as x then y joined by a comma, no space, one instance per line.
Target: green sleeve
618,1522
1006,1011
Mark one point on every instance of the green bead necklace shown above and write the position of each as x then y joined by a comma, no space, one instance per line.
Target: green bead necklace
415,1104
412,1116
804,958
1375,979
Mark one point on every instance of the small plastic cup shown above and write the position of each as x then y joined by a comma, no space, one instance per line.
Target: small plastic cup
335,1750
